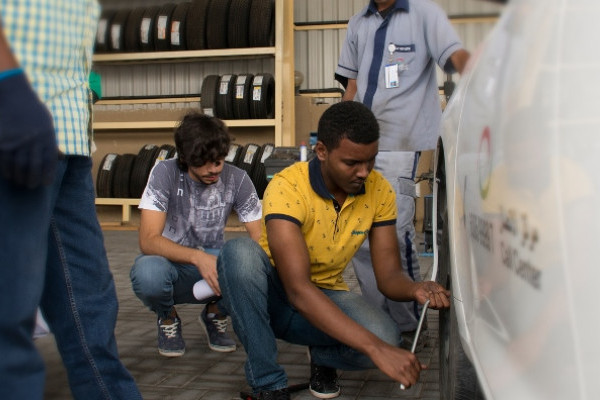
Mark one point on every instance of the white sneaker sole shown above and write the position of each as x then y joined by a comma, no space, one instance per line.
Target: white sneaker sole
171,353
324,395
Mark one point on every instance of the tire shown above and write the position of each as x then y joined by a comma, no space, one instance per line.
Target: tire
233,156
208,95
123,166
147,27
262,13
162,27
242,96
239,19
248,158
262,103
458,380
117,31
216,24
165,152
225,94
179,27
103,31
105,176
141,170
133,29
196,25
259,176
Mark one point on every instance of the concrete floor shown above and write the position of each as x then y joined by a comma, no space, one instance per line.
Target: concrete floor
204,374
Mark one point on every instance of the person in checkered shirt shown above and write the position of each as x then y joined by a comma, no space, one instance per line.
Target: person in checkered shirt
52,250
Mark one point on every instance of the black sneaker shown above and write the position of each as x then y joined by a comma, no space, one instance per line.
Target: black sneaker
170,338
281,394
323,382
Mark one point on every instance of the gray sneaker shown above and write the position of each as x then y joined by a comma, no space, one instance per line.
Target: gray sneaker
170,338
216,332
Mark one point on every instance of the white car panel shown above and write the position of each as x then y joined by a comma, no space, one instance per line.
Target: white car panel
521,138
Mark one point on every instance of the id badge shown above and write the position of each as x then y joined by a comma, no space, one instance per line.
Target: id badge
391,76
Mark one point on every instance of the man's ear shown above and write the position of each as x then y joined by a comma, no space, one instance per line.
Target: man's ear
321,151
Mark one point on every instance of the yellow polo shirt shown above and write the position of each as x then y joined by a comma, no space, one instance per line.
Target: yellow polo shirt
332,233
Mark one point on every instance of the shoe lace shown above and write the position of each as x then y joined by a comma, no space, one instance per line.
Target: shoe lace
170,330
220,324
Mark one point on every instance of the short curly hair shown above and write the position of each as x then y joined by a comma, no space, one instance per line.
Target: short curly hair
200,138
347,119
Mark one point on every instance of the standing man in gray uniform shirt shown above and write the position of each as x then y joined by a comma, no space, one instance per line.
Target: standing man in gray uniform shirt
388,63
185,207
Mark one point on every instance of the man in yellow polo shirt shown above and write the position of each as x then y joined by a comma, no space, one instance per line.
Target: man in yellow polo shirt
316,214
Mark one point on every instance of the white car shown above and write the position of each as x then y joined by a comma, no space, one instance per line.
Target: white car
517,209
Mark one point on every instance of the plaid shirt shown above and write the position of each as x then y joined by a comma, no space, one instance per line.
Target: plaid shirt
53,42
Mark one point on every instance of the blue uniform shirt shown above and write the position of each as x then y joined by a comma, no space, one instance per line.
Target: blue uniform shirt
416,35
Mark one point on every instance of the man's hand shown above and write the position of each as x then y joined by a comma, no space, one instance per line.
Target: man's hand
28,150
399,364
434,292
207,265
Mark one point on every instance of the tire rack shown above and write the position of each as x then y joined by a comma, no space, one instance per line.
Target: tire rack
282,124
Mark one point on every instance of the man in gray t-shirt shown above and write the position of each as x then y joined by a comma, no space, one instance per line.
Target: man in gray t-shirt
185,207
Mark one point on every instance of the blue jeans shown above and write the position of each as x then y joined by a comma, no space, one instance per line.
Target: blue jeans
255,299
161,284
53,256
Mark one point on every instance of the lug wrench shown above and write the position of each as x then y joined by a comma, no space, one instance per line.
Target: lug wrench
417,333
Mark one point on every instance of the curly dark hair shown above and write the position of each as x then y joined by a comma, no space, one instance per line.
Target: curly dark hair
200,139
347,119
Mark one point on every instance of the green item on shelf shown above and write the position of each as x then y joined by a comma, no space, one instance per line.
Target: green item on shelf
96,85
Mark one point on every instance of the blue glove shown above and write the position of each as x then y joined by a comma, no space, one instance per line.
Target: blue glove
28,149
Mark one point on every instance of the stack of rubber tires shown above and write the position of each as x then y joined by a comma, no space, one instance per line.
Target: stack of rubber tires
244,96
251,158
126,175
191,25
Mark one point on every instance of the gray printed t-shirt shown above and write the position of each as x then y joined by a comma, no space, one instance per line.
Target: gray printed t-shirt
197,213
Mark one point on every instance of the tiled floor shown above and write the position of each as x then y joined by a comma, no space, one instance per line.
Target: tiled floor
204,374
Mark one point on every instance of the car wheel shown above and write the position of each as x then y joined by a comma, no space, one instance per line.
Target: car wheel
457,376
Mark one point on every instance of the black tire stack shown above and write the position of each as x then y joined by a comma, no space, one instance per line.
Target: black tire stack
244,96
194,25
126,175
251,158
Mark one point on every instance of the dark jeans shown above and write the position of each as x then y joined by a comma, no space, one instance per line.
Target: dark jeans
52,255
